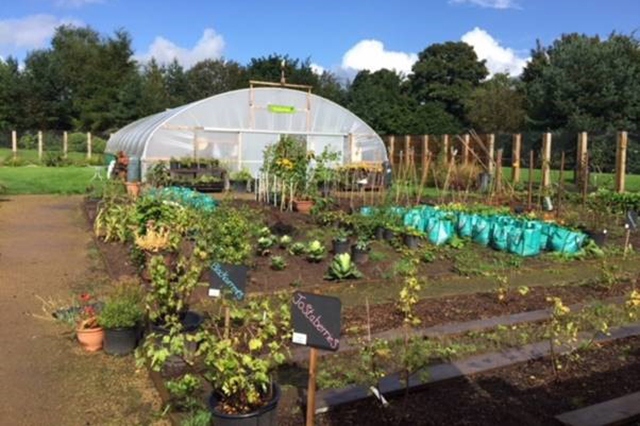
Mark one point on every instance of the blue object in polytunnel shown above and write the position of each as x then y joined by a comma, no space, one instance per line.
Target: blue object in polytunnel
482,231
525,240
439,231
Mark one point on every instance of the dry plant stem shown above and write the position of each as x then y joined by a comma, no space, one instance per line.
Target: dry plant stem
530,191
585,178
423,179
560,186
366,301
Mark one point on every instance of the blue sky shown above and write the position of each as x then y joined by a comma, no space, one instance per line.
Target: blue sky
336,35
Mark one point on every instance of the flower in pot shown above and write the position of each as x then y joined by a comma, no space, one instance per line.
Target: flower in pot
88,330
121,318
411,237
239,358
342,268
315,251
360,251
340,242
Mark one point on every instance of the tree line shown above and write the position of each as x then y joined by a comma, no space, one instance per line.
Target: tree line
85,81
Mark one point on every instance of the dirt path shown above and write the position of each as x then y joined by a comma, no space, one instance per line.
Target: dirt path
45,378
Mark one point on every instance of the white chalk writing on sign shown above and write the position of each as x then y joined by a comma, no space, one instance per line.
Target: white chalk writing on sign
224,277
308,311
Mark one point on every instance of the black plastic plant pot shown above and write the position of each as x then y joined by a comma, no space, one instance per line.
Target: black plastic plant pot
598,237
388,234
264,416
411,241
379,234
190,321
120,341
340,247
359,256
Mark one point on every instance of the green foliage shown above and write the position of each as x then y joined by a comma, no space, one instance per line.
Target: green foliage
182,391
239,360
497,105
342,268
409,294
225,235
278,263
297,249
315,251
158,174
200,417
123,307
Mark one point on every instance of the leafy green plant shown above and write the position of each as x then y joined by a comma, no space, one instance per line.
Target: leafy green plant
362,244
427,255
158,174
278,263
562,331
182,391
199,417
502,288
239,359
120,313
285,241
225,235
243,175
342,268
409,294
297,249
265,244
315,251
341,235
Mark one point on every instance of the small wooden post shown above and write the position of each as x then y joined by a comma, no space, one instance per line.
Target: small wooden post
530,192
546,160
40,142
352,147
65,144
392,142
227,321
14,143
515,153
581,172
445,147
491,146
407,149
621,161
89,145
560,186
425,152
498,178
311,387
465,150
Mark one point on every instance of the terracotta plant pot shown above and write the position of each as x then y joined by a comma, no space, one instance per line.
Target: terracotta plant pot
303,206
91,338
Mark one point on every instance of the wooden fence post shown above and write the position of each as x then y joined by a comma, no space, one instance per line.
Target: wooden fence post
465,151
546,160
491,142
498,177
89,145
391,149
581,172
65,144
515,157
14,143
621,161
40,143
425,151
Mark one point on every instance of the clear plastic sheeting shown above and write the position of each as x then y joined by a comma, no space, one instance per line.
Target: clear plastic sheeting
235,127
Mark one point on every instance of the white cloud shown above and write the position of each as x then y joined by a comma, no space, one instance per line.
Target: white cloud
317,68
76,3
371,55
492,4
30,32
499,59
210,46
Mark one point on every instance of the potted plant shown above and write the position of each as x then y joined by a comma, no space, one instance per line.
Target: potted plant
360,251
411,237
121,318
88,330
239,359
340,242
239,181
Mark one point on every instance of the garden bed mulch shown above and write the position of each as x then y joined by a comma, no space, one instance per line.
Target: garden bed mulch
524,394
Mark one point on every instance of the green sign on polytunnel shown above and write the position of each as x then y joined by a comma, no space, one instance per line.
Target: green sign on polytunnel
282,109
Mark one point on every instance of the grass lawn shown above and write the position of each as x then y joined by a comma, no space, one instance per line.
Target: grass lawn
46,180
30,156
605,180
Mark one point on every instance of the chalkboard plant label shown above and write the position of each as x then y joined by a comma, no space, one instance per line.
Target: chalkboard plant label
232,278
316,320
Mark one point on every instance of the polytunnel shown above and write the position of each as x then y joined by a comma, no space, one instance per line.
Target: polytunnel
235,127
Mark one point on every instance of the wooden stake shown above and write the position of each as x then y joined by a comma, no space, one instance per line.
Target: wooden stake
311,387
465,151
391,149
65,144
14,143
627,236
515,171
546,160
530,194
621,161
425,152
40,143
560,186
89,143
498,177
227,321
491,148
